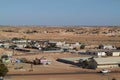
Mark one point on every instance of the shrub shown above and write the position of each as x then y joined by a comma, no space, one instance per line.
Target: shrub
24,60
89,64
3,69
114,79
82,47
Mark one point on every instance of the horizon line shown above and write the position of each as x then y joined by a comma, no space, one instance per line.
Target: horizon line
59,25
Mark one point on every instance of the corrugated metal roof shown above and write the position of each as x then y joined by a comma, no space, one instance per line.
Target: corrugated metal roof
108,60
103,50
74,58
100,61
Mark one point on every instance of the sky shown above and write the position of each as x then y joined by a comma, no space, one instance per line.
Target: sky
60,12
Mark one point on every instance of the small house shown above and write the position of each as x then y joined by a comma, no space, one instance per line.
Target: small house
21,41
116,53
109,62
6,45
60,44
96,53
106,47
113,53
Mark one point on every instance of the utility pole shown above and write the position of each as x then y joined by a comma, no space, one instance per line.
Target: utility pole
13,52
108,76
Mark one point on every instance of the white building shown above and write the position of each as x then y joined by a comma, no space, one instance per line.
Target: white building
21,45
103,52
21,41
116,53
96,53
106,47
60,44
109,62
100,54
77,44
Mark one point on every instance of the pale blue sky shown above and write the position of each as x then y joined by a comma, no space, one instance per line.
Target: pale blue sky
59,12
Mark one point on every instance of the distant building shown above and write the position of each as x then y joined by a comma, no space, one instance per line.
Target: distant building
115,53
1,45
96,53
106,62
7,45
103,52
93,63
110,62
106,47
21,41
21,45
65,45
60,44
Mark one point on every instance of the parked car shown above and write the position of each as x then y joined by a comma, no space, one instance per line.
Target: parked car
104,71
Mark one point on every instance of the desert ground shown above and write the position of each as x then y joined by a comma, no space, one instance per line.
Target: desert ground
57,70
67,77
88,35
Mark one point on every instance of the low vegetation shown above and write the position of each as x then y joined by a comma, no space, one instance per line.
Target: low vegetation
3,69
89,64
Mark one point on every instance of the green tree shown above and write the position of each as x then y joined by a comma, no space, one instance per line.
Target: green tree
85,64
114,79
92,64
82,47
3,69
89,64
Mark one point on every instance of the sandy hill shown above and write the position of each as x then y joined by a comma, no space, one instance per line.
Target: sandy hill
89,35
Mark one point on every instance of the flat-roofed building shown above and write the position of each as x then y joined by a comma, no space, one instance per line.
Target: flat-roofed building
108,62
116,53
106,47
102,52
98,53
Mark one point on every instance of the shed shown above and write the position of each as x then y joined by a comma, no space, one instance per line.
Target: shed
96,53
109,62
106,47
116,53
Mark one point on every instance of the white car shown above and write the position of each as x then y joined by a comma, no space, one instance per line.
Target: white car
104,71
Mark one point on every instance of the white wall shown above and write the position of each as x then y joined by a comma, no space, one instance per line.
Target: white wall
116,54
107,66
101,54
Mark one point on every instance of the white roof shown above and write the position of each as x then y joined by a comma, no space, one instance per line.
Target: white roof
108,60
